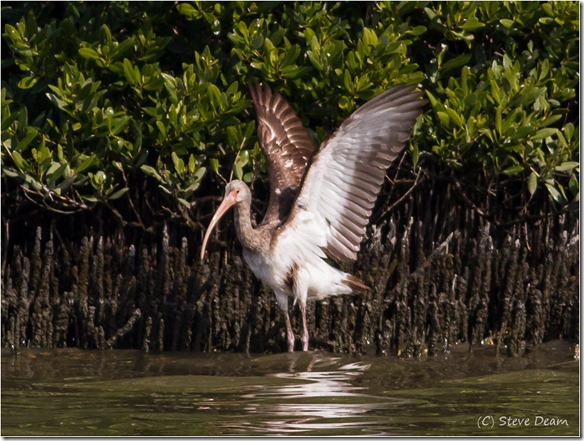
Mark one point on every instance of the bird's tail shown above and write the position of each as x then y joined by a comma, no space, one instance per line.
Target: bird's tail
355,283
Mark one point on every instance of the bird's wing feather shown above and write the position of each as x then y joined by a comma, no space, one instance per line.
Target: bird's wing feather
341,185
286,145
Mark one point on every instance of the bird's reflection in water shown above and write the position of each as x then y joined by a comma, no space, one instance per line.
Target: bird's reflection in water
320,395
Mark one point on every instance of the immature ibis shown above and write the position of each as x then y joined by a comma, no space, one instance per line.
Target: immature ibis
320,199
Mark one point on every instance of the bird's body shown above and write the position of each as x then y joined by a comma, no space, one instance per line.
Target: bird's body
318,210
286,268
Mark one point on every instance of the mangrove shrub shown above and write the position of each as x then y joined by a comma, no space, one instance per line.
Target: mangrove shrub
102,100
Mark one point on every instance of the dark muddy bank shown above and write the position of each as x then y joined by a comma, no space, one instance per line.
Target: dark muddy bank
440,272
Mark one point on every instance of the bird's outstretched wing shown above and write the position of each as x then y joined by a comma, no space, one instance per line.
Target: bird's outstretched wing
341,184
286,145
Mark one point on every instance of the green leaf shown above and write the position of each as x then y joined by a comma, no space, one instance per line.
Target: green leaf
161,128
498,121
574,186
214,96
433,101
545,68
514,170
23,143
527,96
292,72
118,194
19,161
248,177
86,163
131,72
89,198
120,124
7,171
455,63
188,10
532,183
551,120
554,193
200,173
348,82
569,131
369,37
184,202
179,164
315,60
61,104
472,24
55,172
87,52
495,91
151,171
214,164
544,133
444,119
454,117
567,166
191,164
27,82
238,170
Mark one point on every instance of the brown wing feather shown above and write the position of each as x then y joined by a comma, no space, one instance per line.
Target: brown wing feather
287,146
344,177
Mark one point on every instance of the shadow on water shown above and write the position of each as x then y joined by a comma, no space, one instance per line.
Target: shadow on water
73,392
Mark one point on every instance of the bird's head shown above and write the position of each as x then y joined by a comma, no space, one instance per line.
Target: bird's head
235,192
236,189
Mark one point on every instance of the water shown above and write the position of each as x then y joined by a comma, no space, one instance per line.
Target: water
102,393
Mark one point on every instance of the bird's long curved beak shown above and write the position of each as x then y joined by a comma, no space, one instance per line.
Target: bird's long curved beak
226,204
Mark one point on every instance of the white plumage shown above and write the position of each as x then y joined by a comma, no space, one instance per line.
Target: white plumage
321,210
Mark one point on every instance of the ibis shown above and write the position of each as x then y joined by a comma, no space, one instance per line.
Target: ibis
320,198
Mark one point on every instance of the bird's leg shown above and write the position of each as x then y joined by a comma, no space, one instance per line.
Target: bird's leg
282,299
304,337
289,333
300,291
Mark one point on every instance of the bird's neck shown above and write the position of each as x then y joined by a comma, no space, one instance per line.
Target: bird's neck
247,235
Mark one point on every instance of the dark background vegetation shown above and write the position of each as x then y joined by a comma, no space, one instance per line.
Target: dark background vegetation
121,121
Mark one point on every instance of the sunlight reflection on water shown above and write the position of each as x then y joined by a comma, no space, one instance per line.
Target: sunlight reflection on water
314,401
